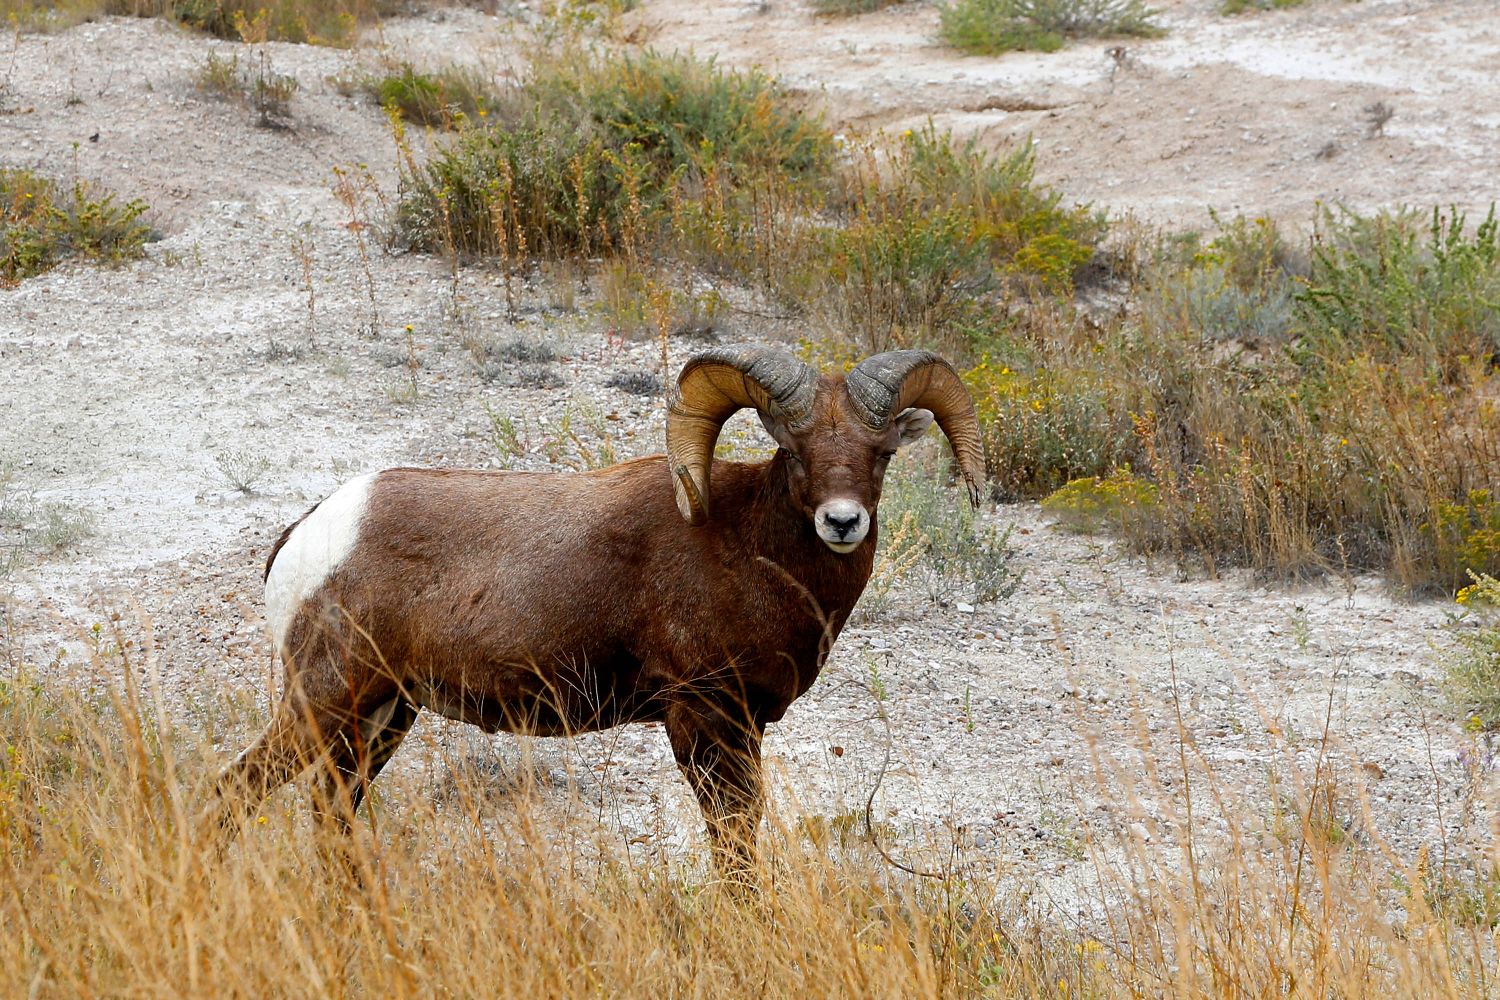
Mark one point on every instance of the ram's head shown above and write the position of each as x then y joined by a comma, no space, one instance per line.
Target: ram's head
838,431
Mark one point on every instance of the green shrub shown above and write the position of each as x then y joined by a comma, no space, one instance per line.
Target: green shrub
1388,285
1241,286
449,98
921,233
900,277
684,113
320,22
988,27
589,153
42,224
849,8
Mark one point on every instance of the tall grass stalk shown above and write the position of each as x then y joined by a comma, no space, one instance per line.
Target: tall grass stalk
477,880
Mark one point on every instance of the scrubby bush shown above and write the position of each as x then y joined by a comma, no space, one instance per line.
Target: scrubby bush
585,156
42,224
1388,285
318,22
923,232
1293,415
988,27
1046,427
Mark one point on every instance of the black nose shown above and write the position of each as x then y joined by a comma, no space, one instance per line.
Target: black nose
843,525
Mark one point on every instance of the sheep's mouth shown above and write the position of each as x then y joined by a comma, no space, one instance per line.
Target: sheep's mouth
843,548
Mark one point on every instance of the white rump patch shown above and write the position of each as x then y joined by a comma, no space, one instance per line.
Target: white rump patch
315,549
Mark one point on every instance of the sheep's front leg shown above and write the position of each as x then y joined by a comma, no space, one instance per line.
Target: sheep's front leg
719,753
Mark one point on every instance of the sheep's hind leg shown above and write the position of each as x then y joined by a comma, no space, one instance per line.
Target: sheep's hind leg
719,753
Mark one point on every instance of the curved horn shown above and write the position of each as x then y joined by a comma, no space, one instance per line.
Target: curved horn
884,385
712,386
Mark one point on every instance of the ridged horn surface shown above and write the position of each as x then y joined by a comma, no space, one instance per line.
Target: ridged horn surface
882,386
715,384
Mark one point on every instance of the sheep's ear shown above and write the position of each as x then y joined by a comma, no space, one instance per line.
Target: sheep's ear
776,427
912,424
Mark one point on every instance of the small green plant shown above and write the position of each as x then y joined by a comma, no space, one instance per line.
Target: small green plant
1230,7
42,224
259,87
941,543
29,527
1472,681
506,436
449,98
849,8
220,76
989,27
876,682
241,470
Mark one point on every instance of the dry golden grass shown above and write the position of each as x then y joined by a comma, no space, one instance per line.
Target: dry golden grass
468,888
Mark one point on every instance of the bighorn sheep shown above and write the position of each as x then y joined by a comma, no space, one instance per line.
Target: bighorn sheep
562,603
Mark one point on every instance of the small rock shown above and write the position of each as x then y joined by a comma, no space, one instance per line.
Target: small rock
967,609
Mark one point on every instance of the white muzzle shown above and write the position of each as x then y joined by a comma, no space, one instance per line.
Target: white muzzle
842,524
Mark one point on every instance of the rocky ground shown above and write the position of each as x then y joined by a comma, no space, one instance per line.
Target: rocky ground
192,403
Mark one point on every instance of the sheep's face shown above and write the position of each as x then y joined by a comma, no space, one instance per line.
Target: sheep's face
836,467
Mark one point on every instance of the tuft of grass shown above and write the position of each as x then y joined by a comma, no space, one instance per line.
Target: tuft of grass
29,528
241,470
43,224
449,98
637,383
989,27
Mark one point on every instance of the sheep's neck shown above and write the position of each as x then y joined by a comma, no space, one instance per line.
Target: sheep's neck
782,534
